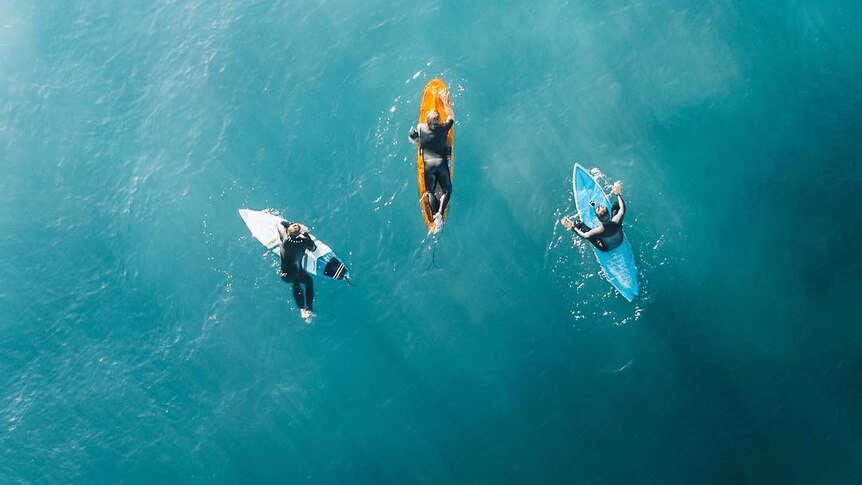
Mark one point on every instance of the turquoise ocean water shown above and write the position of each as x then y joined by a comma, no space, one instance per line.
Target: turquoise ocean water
144,338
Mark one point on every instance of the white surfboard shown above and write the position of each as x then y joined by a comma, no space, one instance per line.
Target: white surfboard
322,262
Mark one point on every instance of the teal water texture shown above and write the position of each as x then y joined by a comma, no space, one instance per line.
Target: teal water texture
144,338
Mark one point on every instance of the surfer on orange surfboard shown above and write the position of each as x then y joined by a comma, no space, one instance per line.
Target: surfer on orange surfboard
431,138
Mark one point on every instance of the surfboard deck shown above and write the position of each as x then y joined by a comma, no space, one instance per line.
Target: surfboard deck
431,100
619,263
322,262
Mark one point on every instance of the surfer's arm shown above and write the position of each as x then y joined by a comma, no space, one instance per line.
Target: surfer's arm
414,134
578,231
574,227
618,218
310,244
592,232
282,232
447,105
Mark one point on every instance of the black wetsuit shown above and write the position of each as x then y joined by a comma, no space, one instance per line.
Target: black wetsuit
292,251
435,153
612,236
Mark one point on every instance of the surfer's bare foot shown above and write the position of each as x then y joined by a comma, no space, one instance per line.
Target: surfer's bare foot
305,314
438,222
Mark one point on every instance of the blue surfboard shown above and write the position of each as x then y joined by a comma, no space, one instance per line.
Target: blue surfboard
618,264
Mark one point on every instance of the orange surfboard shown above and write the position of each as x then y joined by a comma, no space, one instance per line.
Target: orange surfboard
431,100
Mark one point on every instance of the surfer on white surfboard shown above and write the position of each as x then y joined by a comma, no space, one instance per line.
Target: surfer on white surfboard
295,240
431,137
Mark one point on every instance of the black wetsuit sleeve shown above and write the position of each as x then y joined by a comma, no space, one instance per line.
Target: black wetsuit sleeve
448,124
309,244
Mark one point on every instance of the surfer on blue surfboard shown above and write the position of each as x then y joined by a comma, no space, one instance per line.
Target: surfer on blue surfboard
608,234
601,223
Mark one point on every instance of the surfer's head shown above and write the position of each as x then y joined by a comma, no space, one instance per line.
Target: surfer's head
602,213
292,229
433,118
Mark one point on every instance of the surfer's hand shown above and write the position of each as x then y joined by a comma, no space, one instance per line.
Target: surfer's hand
618,187
567,223
444,97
